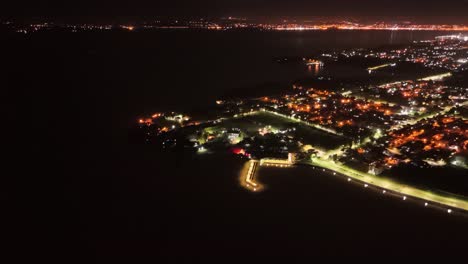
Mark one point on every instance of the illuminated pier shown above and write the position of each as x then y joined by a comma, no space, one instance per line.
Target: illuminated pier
250,169
248,176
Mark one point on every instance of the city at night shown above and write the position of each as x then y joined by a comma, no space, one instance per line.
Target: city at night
187,131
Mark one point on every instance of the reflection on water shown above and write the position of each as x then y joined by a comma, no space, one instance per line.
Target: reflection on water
314,70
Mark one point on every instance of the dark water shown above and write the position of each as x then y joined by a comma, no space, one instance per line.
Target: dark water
80,179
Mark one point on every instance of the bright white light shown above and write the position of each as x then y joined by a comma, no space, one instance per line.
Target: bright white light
365,185
201,149
425,204
449,211
334,173
384,191
404,198
349,179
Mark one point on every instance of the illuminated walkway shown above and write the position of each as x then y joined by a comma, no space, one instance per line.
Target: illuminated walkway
275,163
437,77
447,201
249,171
248,176
380,66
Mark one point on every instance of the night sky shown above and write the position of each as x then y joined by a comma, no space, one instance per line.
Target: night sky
419,10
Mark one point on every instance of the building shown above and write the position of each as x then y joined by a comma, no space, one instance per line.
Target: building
375,168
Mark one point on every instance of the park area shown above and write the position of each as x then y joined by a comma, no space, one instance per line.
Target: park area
251,125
